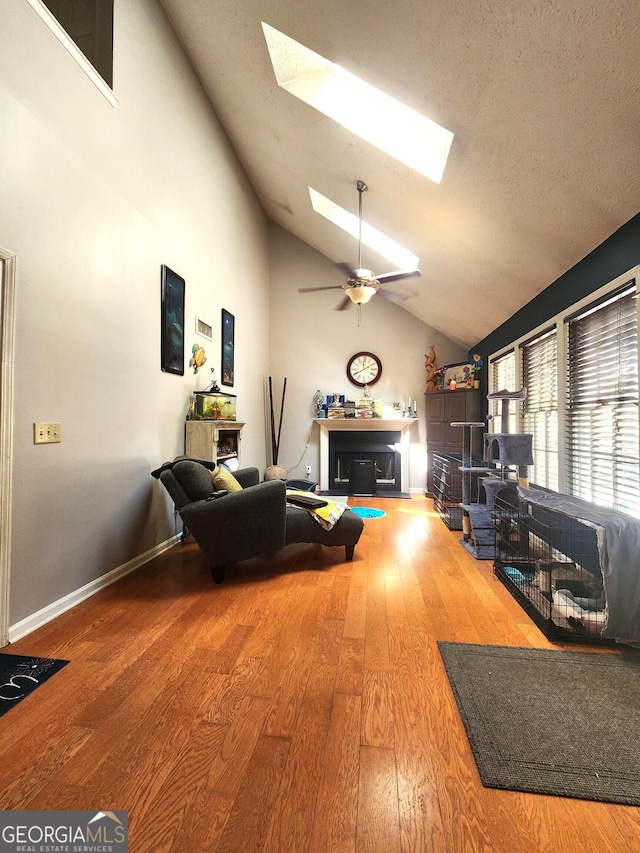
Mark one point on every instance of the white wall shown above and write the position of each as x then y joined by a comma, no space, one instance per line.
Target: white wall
311,344
94,198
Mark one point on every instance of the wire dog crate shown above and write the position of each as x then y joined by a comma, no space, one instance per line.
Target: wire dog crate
550,563
447,488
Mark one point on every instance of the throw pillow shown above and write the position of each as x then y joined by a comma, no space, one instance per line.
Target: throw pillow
224,479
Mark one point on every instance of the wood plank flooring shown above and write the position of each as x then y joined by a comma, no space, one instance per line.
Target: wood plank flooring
300,706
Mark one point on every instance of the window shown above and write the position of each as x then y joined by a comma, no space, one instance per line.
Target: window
580,370
502,377
90,25
85,29
602,403
385,246
540,408
371,114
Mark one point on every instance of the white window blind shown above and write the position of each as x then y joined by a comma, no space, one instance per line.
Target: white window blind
502,377
540,415
603,456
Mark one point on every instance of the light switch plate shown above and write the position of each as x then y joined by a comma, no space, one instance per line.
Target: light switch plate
47,433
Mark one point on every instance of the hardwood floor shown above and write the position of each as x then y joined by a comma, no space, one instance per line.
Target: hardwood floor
300,706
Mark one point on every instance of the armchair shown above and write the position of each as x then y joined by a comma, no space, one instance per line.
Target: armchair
248,523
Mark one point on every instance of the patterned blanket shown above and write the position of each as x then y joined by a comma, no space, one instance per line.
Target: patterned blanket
326,516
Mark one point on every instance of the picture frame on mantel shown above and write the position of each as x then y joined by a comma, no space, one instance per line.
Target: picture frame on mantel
228,348
172,291
457,374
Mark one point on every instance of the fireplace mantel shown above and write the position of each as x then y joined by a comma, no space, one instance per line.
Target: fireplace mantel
401,425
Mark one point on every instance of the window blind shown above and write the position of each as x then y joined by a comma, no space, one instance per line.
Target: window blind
502,377
540,417
603,453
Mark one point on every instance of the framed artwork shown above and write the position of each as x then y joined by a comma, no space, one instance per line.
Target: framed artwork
461,374
228,342
172,320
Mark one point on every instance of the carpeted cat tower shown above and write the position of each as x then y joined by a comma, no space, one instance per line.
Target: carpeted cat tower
505,450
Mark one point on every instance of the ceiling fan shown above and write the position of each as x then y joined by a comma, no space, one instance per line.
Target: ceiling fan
361,283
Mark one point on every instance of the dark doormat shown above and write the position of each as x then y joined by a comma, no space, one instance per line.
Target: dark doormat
550,722
380,494
20,675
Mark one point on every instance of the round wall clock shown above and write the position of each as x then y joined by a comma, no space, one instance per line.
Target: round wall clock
364,368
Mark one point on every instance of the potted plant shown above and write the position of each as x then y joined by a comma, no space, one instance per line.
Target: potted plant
475,369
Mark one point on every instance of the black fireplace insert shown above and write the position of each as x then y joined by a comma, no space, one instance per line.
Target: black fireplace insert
382,448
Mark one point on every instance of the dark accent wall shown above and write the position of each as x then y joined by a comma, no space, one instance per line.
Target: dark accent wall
615,256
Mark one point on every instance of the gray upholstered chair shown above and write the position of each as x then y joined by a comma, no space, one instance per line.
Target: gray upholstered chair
248,523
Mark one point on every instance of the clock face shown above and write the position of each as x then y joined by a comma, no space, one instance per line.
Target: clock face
364,368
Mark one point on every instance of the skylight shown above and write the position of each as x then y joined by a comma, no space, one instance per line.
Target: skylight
376,240
376,117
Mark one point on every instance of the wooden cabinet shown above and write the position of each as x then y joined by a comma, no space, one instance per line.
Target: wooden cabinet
442,409
215,441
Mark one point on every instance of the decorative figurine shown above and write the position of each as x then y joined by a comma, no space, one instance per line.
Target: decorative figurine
198,357
431,368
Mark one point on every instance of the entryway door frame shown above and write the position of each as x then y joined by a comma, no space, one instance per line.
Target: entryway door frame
7,360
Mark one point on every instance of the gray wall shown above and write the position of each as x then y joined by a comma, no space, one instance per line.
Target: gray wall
94,199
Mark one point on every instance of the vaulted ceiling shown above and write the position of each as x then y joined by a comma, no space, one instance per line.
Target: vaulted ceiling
543,98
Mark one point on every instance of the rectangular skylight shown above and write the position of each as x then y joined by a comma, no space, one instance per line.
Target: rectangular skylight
371,237
376,117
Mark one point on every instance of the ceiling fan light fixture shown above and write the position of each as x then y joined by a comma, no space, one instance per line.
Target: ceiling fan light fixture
360,294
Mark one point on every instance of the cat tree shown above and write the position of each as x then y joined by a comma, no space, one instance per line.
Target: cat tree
504,450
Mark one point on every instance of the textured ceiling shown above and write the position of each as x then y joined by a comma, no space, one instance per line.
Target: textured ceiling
544,102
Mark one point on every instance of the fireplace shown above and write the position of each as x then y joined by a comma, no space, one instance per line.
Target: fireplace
368,430
381,448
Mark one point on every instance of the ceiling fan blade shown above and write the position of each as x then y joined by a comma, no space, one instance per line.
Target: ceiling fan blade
343,305
396,276
312,289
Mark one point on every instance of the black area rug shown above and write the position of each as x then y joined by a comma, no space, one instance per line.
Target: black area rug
399,495
20,675
550,722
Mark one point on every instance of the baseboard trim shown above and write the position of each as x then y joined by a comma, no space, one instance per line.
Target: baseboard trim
57,608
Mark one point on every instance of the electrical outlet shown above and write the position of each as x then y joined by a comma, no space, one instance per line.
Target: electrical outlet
308,470
47,433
